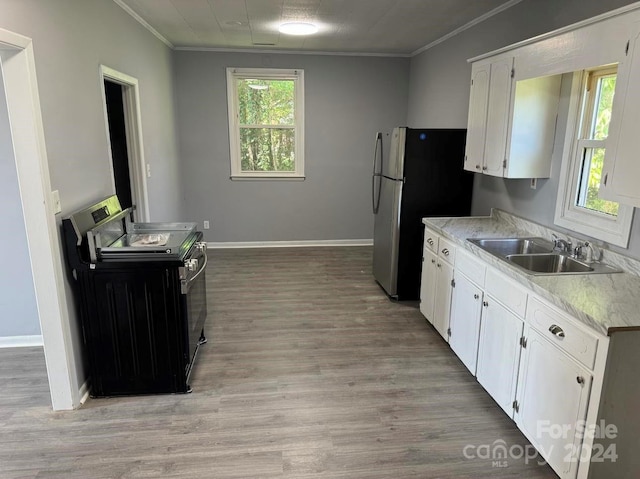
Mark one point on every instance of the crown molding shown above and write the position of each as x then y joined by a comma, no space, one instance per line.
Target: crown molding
144,23
467,26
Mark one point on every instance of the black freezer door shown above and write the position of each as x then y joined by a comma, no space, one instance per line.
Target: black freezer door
435,184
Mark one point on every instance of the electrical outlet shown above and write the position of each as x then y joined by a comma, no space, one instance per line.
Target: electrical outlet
57,207
206,224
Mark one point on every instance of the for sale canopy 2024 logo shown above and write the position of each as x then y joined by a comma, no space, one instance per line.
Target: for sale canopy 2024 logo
568,436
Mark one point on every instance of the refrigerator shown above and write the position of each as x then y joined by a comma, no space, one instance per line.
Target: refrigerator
422,175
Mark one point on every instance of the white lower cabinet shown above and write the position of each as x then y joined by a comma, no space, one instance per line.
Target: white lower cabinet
557,378
552,399
436,281
428,284
464,327
499,353
442,309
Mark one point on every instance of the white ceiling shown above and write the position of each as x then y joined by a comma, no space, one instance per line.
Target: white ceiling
393,27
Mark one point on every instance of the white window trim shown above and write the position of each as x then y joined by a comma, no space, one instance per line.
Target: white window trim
596,225
297,76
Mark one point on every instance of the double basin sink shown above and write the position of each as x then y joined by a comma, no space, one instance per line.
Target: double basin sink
537,256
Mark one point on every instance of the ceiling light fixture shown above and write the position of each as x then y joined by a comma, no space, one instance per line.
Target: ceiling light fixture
298,28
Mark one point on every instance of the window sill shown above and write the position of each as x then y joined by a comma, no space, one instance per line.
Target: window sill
612,231
266,178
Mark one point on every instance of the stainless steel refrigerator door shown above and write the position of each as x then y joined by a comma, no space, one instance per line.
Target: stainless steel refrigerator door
386,236
394,167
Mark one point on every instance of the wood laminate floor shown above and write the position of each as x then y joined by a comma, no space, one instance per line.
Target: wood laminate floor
309,372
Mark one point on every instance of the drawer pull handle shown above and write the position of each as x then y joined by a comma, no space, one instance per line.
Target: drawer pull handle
556,331
430,241
580,380
445,252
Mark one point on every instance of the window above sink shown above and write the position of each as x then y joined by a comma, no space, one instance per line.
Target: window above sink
579,206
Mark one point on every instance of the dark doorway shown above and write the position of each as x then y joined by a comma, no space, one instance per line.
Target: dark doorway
118,140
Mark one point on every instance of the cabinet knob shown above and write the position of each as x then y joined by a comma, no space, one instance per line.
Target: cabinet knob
433,261
475,296
556,331
485,304
485,168
477,167
580,380
445,252
439,265
430,241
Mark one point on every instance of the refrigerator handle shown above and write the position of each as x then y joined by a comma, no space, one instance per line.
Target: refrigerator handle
375,154
375,195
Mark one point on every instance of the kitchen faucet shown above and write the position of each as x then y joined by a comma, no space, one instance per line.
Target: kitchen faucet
561,244
591,254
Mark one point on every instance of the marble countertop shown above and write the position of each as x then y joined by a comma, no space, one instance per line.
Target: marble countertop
606,302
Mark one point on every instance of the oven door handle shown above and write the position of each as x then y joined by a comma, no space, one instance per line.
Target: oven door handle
185,283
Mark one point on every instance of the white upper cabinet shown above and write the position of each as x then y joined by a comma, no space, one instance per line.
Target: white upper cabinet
511,124
498,117
621,170
477,121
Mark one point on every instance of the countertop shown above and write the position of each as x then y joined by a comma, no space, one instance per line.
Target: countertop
607,303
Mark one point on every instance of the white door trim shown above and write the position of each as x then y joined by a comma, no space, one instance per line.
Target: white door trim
133,125
23,102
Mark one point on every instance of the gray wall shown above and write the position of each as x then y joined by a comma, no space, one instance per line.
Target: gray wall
71,38
439,97
347,100
18,310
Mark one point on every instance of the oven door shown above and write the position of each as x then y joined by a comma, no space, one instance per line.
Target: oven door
194,300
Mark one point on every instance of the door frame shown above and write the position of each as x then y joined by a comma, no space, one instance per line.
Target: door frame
45,252
138,168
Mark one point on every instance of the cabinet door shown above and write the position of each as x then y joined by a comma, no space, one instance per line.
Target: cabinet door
553,394
466,309
442,307
499,353
477,121
428,284
621,170
498,111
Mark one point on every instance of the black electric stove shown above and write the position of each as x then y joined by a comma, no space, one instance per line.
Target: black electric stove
141,296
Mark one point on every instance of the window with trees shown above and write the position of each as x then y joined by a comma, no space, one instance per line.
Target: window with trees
266,123
580,207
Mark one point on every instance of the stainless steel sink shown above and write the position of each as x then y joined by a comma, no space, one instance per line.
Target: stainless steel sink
549,263
508,246
536,256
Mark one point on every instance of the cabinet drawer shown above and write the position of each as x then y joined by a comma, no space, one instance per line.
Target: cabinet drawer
471,267
447,251
507,291
561,330
431,240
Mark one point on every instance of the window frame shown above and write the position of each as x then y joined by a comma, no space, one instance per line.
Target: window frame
297,75
613,230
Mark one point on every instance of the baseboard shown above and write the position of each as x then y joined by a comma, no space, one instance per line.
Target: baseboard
21,341
85,389
289,244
